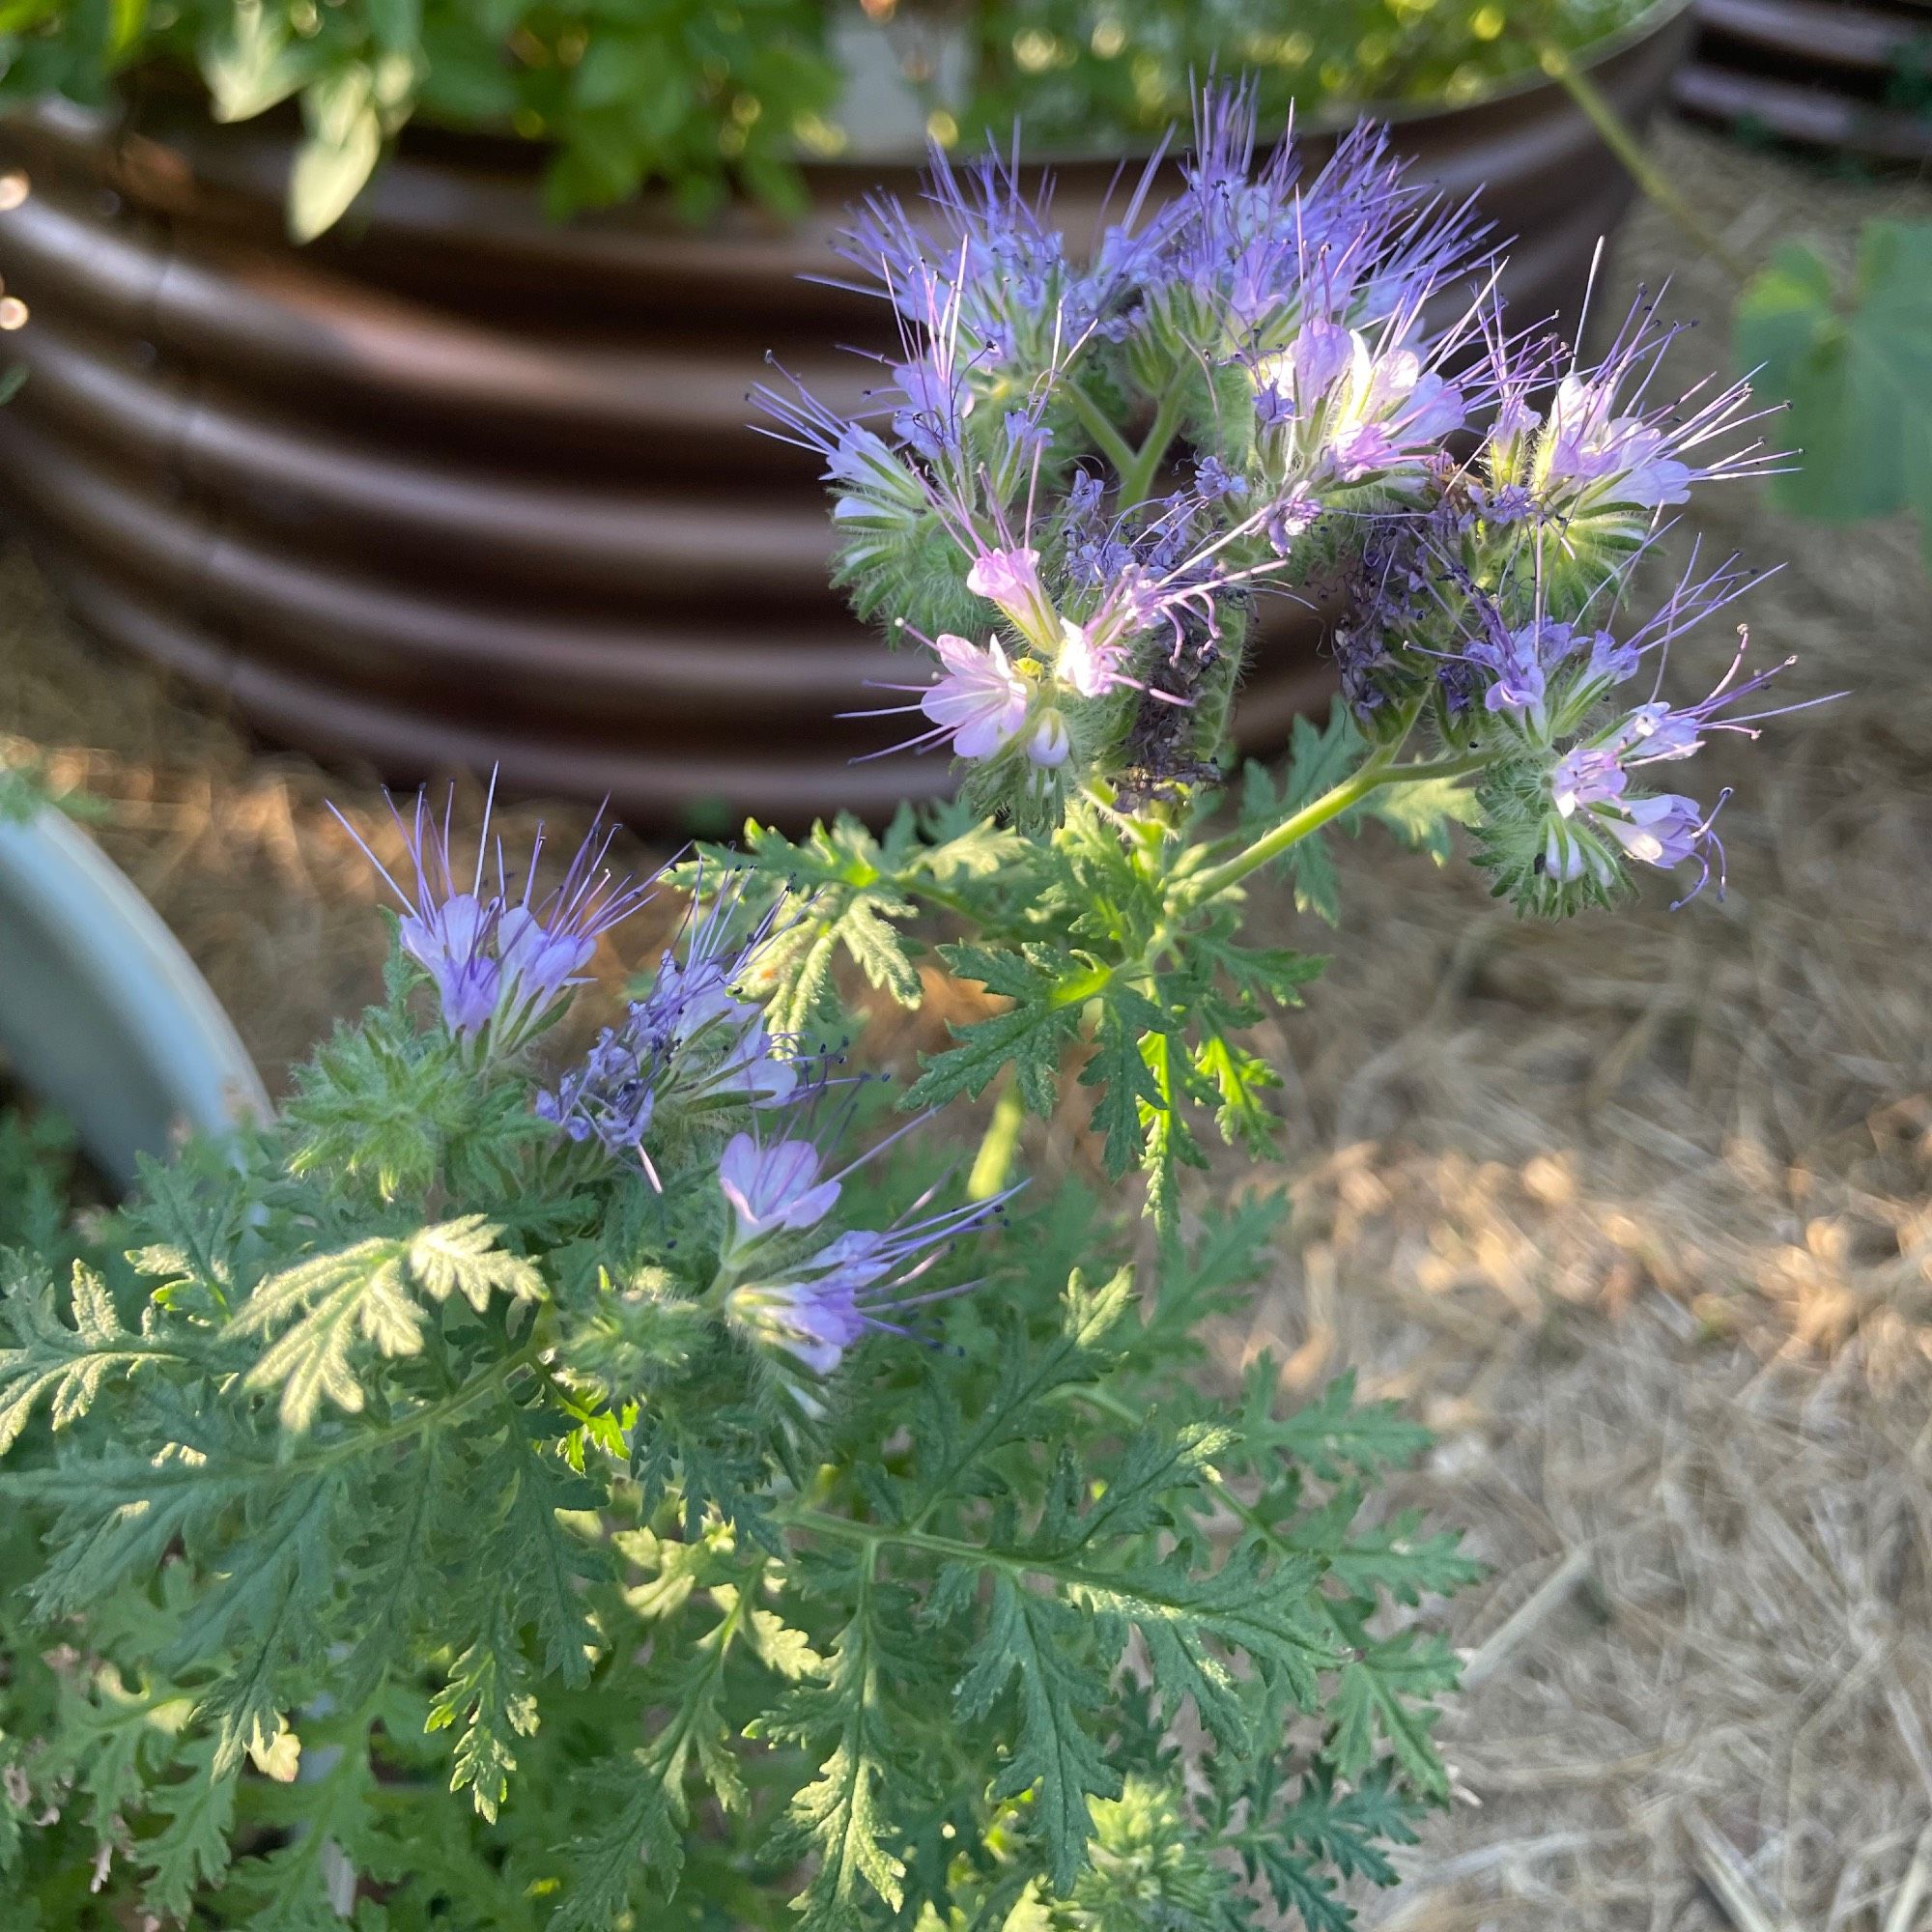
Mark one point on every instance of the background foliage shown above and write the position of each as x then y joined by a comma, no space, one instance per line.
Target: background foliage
704,96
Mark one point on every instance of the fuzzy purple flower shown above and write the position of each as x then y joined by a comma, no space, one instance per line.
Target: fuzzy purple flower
690,1044
497,962
1599,455
979,701
809,1299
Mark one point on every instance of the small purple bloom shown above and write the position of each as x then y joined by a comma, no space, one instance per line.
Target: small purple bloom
1317,359
1292,518
493,960
1010,579
813,1304
979,701
690,1042
1025,431
772,1190
1516,661
1272,406
1214,480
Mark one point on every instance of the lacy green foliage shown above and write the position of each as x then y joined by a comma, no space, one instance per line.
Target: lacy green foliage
38,1157
415,1533
627,93
1097,937
1854,361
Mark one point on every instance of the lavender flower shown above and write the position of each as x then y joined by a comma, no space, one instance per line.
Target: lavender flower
1590,784
813,1302
1333,404
771,1190
691,1044
1251,389
1597,459
1246,257
1010,579
979,701
500,963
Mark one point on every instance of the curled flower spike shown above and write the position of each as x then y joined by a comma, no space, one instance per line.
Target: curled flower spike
690,1046
1083,481
813,1299
496,962
1598,460
1591,795
1335,405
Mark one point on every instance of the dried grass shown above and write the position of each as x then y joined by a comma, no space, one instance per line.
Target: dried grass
1638,1213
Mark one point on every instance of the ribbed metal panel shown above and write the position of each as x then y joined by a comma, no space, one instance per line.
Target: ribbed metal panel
458,485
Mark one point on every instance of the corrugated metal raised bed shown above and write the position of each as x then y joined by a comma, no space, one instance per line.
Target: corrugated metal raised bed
1821,73
464,486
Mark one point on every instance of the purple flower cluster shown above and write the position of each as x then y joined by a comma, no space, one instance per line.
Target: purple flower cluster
1591,459
793,1286
1308,299
1543,693
501,961
1089,465
690,1045
691,1061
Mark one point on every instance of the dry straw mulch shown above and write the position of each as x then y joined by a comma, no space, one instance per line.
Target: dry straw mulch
1636,1212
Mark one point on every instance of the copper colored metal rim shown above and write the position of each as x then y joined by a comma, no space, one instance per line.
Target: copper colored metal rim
461,487
1808,116
1818,73
1828,32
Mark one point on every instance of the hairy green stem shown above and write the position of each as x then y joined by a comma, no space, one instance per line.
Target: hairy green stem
1019,1564
1622,141
1137,477
1272,843
994,1161
1317,812
1109,441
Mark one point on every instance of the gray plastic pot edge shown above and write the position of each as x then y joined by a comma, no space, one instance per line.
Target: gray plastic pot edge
102,1015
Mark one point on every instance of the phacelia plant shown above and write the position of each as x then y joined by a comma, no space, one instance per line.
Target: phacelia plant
657,1486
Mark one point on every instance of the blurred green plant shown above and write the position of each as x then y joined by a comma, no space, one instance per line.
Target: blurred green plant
1853,357
1087,70
1849,355
705,98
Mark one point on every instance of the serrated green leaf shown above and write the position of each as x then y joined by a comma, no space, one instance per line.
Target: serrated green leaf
330,1301
1035,1638
461,1257
487,1697
65,1367
1118,1068
191,1850
837,1815
1333,1434
646,1833
1387,1694
1422,812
